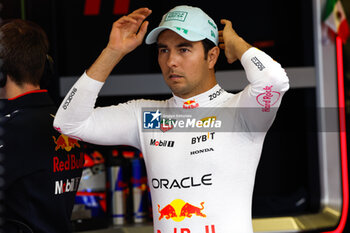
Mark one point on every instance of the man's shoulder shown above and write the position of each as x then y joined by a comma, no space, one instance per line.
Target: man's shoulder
29,115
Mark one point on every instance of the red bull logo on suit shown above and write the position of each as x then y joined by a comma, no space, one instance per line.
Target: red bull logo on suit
190,104
178,210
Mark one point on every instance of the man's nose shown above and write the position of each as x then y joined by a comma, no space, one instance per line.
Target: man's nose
173,59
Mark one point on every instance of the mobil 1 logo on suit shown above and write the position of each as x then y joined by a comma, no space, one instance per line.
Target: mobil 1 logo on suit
162,143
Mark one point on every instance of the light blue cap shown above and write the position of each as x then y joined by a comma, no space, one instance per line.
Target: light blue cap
189,22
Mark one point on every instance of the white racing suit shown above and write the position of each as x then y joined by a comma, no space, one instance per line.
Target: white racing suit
201,175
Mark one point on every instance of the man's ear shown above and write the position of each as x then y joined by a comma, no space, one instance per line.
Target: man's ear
213,56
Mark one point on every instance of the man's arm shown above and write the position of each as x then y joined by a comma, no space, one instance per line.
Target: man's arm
77,116
259,101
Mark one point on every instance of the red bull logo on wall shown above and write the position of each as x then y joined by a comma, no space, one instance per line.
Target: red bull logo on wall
178,210
65,142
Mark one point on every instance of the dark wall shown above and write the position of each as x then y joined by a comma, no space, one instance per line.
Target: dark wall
284,26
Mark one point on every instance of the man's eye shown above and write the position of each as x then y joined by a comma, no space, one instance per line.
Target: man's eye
163,50
184,50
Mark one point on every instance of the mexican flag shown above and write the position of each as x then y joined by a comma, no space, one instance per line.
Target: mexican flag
335,19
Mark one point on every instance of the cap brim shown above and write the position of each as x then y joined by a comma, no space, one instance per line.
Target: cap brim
152,37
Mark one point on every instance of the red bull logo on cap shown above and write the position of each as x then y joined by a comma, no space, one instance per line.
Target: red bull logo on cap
178,210
190,104
65,142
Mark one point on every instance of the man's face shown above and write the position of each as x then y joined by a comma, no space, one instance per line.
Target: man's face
184,68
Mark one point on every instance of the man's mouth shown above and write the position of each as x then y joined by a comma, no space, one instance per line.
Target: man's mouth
175,76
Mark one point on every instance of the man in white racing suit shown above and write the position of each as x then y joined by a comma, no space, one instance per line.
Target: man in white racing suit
201,178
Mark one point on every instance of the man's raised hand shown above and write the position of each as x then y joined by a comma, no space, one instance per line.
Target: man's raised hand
128,31
233,44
